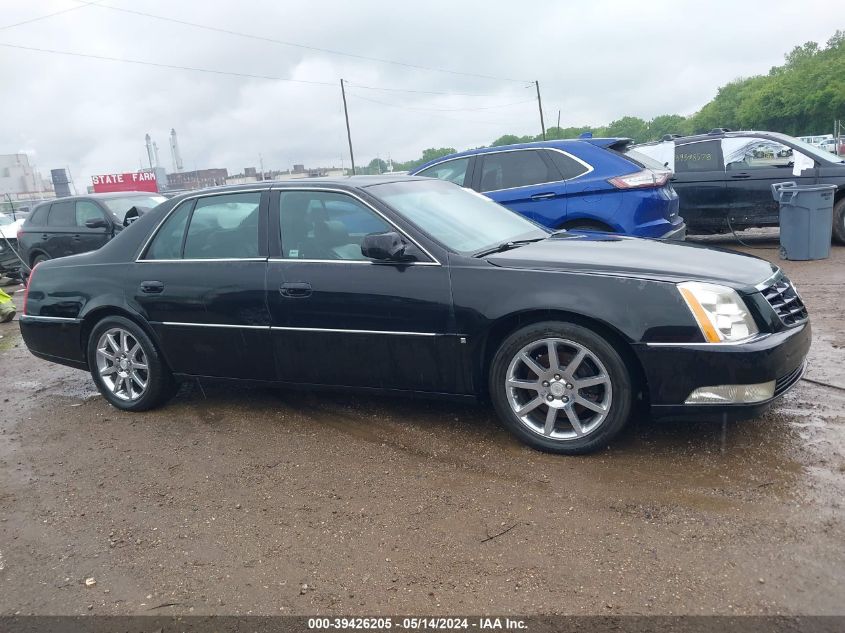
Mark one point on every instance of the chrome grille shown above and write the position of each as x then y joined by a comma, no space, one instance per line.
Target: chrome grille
785,301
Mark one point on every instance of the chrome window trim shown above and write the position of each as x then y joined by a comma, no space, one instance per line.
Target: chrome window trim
139,258
49,319
210,259
752,339
372,262
434,262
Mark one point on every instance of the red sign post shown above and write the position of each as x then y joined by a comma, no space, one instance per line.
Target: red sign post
131,181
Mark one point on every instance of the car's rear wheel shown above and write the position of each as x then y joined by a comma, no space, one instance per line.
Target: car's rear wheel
560,387
839,221
127,366
38,259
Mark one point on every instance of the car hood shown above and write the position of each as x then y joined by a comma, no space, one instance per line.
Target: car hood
601,253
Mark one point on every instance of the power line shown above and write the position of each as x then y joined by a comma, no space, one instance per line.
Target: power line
160,65
231,73
302,46
406,107
49,15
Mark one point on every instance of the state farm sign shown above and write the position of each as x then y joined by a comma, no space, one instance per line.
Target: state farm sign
133,181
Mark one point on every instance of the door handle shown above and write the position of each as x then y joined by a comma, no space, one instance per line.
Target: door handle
295,289
76,238
152,287
543,196
743,175
45,236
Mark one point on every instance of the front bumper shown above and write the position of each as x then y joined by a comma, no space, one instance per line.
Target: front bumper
673,371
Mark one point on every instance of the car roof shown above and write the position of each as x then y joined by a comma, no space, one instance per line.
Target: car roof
566,143
711,136
343,182
99,196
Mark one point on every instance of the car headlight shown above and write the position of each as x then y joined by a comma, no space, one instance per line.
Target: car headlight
720,312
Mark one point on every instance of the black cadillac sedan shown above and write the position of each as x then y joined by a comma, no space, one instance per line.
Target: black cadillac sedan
412,285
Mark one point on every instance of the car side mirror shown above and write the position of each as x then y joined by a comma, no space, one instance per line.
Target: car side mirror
96,223
387,246
133,214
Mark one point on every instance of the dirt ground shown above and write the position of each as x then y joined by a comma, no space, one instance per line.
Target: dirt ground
233,501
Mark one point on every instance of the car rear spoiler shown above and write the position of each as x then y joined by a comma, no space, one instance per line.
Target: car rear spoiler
615,144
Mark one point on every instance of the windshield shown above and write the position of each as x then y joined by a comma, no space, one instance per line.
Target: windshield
461,220
809,150
119,206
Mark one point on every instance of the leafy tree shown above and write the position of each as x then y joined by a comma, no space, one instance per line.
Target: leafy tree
802,96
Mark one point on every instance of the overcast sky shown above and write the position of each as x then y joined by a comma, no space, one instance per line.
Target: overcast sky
596,61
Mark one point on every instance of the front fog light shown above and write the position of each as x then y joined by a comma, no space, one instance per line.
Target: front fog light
733,394
720,312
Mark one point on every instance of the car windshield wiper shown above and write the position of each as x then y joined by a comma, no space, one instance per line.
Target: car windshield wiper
506,246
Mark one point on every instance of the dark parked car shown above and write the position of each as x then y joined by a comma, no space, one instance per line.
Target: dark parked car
724,178
414,285
68,226
10,265
599,184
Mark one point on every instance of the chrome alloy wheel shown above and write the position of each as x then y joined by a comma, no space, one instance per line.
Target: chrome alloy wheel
558,389
122,364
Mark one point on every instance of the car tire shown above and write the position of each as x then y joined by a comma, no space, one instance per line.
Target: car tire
525,396
839,221
127,367
38,259
586,225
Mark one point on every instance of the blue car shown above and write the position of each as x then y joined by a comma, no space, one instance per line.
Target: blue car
598,184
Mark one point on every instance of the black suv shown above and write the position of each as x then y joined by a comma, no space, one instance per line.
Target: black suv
724,178
68,226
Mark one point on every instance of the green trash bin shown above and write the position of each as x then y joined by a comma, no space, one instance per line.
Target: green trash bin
806,219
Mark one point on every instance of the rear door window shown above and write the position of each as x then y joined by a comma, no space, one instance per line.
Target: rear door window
167,243
451,170
224,227
567,166
519,168
62,214
703,156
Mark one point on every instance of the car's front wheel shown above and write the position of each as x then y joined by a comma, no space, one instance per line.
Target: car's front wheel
127,367
560,387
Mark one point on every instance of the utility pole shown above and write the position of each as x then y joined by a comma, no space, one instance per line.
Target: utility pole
558,119
540,105
348,132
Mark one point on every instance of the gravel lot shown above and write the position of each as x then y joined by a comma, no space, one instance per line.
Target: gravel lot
233,501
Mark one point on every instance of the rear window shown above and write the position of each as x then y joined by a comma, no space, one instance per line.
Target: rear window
39,216
567,166
642,159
